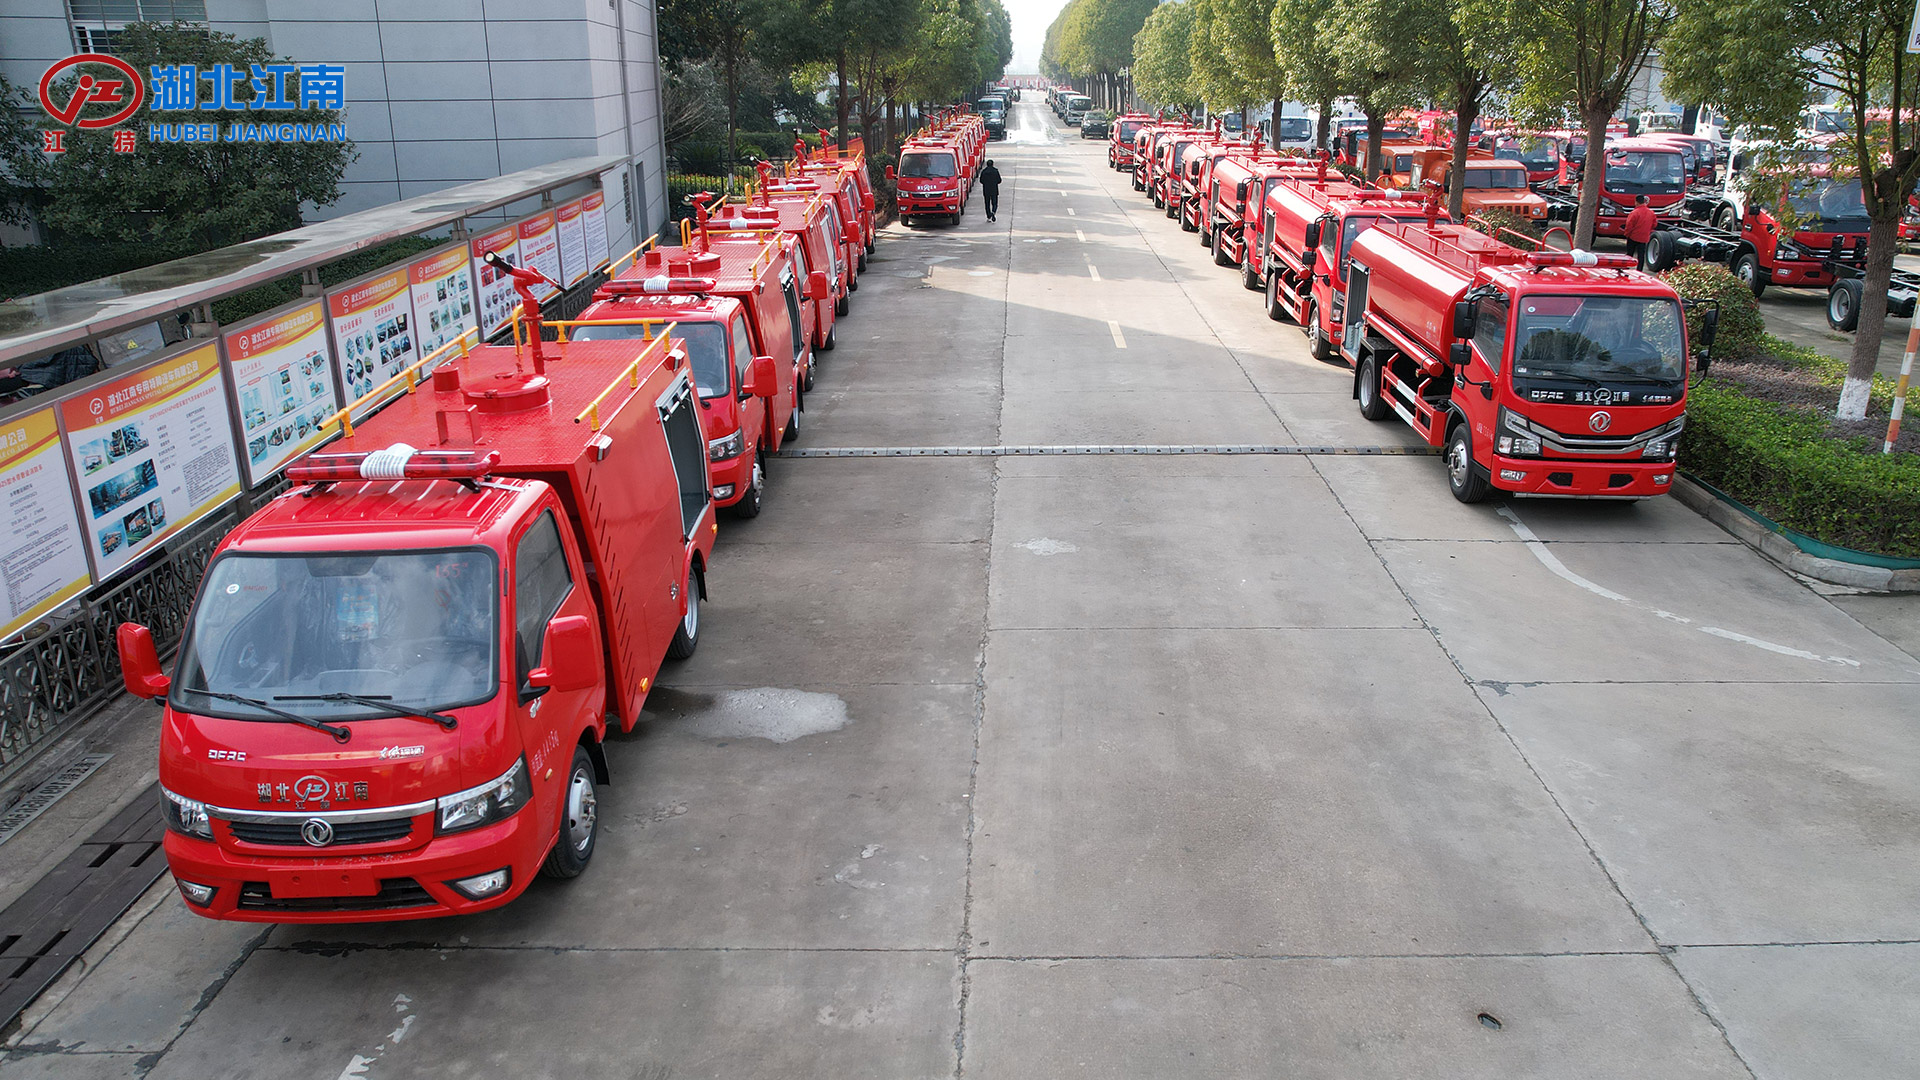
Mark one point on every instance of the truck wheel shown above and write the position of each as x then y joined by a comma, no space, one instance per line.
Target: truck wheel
1220,256
1172,209
840,305
1366,385
686,636
1206,239
1275,309
1843,304
1725,218
1186,223
863,260
1250,277
749,505
853,283
1468,486
1747,268
825,346
1660,252
1317,338
793,425
579,821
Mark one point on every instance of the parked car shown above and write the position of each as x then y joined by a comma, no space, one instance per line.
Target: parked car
1096,125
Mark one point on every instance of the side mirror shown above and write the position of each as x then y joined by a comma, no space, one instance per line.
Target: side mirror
890,173
1240,191
1313,234
1465,313
1459,355
866,201
764,381
140,662
818,288
570,654
851,234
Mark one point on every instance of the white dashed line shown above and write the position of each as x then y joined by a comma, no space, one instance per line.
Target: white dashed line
1119,339
1081,235
1070,212
1093,271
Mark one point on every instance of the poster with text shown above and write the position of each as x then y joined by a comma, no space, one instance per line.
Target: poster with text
540,249
43,552
442,285
573,242
495,298
282,375
374,330
593,214
152,452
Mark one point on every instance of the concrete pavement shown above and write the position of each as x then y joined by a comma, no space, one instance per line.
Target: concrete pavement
1150,767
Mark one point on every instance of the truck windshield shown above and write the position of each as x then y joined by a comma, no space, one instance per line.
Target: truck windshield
1496,179
1652,171
1129,128
1587,338
706,348
1295,129
417,628
1536,154
923,166
1829,205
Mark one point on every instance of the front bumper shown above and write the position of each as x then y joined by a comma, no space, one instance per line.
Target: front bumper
360,888
933,203
1559,477
1800,275
731,476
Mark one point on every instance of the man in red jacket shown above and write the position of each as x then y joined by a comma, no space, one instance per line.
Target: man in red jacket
1640,223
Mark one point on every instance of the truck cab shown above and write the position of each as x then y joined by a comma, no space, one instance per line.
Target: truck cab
1121,134
798,210
928,181
1546,373
1492,183
391,693
1238,190
1636,167
1831,224
1076,109
1538,154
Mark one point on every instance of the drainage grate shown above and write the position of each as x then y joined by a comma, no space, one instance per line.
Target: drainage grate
66,912
30,806
1222,450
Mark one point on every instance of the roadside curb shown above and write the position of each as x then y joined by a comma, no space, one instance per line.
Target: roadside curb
1784,552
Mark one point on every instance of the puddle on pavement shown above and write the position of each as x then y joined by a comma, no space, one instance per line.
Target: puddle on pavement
764,712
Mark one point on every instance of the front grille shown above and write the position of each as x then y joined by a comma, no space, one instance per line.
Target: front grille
394,893
346,832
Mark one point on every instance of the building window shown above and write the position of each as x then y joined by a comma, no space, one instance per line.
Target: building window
96,23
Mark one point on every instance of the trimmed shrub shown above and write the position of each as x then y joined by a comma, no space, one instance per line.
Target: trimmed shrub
1494,219
1742,330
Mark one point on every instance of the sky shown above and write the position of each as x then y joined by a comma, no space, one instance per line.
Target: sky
1030,19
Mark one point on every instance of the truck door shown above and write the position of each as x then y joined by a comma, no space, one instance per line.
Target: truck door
790,290
754,425
687,448
545,568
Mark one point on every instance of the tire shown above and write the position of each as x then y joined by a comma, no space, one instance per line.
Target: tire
863,261
1725,218
1660,252
1746,267
853,283
840,305
952,219
1186,224
806,377
1843,304
1206,239
825,346
748,507
1467,485
1366,384
1220,256
686,636
1249,277
1275,309
1171,209
579,821
793,425
1316,339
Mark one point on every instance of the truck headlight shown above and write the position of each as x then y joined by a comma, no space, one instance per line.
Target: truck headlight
185,816
1516,438
1668,448
495,800
1788,251
725,448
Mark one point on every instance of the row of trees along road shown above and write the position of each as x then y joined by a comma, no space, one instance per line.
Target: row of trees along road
873,56
1545,63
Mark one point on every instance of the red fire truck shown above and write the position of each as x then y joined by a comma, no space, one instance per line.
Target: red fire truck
850,159
1170,152
1634,167
392,691
1308,227
1195,173
1541,373
1120,139
847,206
799,210
933,177
1236,191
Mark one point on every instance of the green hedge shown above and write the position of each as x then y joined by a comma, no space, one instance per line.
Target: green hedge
1741,331
1780,461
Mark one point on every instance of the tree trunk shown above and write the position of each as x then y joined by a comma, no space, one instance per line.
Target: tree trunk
1326,121
1273,125
1592,175
841,71
1465,110
1883,238
733,99
1376,123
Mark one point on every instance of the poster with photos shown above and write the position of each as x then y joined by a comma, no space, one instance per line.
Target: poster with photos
43,554
495,299
282,376
573,242
539,238
593,214
374,335
442,284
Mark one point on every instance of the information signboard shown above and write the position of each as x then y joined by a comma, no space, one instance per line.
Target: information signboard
151,452
373,328
42,553
442,285
573,242
593,213
540,249
282,377
496,300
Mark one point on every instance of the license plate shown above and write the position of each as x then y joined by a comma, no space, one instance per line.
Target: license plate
302,884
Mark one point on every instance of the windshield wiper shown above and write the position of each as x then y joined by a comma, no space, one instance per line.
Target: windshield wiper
382,701
1595,383
281,716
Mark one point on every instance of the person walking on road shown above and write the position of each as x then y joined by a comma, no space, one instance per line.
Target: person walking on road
990,188
1640,225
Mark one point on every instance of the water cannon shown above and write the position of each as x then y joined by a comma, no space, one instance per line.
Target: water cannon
826,138
524,279
701,215
764,171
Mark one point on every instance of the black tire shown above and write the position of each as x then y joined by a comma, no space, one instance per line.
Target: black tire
793,425
1463,479
1249,277
1186,223
686,636
853,283
1366,386
1843,304
1316,339
1171,208
952,219
1746,267
1276,310
1660,254
825,346
748,507
840,305
1725,218
579,821
1206,239
1220,256
862,260
806,377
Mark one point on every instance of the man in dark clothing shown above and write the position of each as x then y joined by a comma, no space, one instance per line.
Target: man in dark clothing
1640,225
990,188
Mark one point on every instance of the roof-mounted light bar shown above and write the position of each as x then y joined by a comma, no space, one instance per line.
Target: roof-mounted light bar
1577,257
396,462
659,285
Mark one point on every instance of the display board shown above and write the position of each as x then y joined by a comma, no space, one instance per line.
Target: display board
373,331
573,242
494,294
151,452
43,553
281,373
593,216
442,286
540,249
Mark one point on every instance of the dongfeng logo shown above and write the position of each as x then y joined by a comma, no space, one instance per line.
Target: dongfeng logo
316,832
1599,422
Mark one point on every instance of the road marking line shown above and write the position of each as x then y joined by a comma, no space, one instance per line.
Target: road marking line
1081,235
1119,341
1120,450
1093,271
1070,212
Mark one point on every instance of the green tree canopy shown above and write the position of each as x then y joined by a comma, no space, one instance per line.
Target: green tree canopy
1303,51
1162,73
